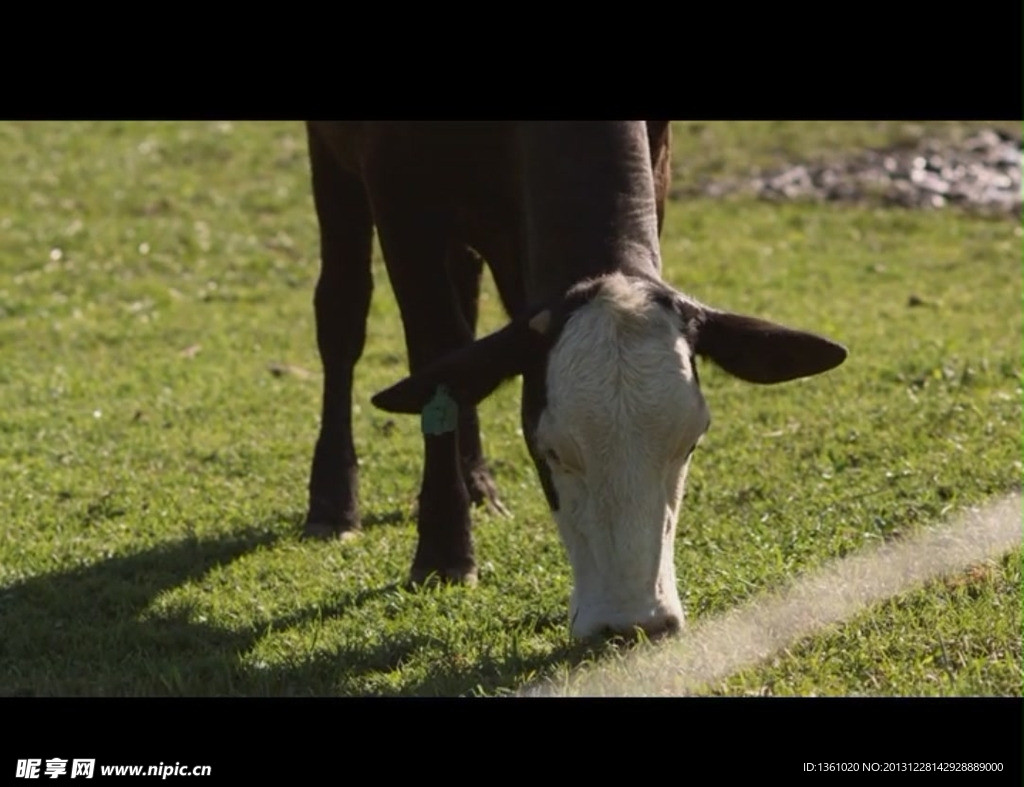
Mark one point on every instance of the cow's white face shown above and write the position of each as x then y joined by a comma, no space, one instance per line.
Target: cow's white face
623,412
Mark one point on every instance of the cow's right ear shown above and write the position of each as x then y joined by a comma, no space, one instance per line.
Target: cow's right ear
471,373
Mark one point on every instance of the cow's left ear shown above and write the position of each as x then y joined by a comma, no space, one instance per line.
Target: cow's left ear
471,373
760,351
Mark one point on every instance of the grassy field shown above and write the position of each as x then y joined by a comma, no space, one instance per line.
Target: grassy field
155,281
956,636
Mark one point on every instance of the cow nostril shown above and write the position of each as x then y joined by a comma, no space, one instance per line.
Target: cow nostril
652,630
662,627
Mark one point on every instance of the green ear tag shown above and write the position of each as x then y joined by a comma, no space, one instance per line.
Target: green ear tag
440,414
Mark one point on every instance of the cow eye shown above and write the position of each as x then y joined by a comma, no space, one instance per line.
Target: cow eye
563,458
687,453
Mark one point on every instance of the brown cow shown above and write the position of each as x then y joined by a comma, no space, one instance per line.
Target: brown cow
566,215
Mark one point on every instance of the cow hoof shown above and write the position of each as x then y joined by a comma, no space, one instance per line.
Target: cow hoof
325,531
433,577
483,491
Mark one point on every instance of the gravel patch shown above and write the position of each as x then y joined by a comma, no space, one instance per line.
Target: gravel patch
983,173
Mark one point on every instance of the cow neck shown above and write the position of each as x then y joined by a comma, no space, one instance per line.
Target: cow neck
590,204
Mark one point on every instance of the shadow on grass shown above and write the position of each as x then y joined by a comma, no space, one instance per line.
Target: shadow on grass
65,631
88,631
449,676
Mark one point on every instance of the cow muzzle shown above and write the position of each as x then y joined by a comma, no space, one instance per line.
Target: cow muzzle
660,619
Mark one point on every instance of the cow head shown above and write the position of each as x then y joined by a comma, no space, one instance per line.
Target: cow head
612,410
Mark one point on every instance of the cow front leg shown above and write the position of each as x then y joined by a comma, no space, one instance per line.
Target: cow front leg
465,268
412,238
444,551
341,303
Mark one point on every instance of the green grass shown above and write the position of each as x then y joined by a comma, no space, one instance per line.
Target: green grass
153,471
957,636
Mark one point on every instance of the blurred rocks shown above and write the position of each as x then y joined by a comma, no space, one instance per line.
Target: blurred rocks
982,172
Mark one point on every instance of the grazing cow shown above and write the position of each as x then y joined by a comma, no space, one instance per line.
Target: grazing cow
566,215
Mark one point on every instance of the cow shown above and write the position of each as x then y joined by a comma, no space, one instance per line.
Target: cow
567,217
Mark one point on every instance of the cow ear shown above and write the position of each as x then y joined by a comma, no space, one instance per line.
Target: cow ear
759,351
470,373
